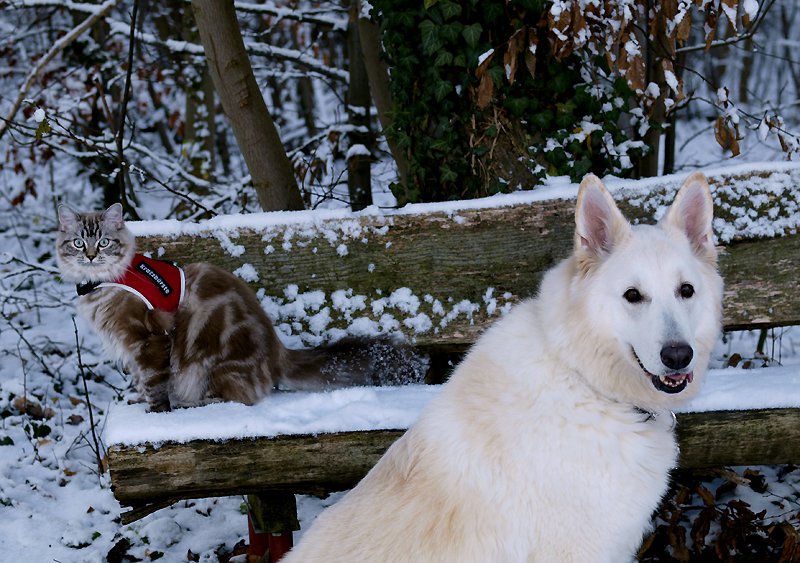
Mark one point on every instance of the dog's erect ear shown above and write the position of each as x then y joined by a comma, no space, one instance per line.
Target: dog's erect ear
599,225
66,218
693,212
113,216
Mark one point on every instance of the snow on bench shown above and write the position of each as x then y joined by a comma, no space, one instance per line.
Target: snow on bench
439,274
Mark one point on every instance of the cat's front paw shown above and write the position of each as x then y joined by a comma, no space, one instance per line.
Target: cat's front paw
159,407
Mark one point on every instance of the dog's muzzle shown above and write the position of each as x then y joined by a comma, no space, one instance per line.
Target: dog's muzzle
674,356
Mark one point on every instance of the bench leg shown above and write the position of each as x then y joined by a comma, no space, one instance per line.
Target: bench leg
271,519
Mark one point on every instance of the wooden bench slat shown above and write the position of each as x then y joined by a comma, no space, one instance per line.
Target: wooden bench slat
455,257
327,463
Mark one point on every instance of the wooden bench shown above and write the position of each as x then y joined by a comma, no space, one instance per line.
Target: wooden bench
464,264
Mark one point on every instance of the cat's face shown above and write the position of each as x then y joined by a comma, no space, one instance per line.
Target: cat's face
93,247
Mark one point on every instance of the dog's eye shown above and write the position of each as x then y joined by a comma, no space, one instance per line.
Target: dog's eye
632,295
687,290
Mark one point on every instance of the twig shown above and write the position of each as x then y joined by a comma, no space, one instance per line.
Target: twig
45,369
123,112
88,402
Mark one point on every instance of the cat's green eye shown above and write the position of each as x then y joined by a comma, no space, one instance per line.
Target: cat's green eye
103,243
78,243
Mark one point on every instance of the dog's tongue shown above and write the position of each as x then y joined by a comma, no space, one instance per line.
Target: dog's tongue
678,376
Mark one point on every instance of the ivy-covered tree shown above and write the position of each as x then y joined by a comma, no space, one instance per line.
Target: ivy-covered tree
492,95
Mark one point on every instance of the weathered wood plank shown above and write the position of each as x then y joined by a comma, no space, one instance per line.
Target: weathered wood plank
461,269
332,462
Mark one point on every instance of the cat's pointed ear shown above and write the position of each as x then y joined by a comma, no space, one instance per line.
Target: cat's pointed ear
692,212
67,218
113,216
599,225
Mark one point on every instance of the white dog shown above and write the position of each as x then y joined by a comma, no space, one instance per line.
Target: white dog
552,441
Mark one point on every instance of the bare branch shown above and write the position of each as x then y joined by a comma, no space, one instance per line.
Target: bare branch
98,13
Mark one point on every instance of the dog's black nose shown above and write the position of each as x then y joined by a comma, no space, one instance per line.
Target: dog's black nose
676,355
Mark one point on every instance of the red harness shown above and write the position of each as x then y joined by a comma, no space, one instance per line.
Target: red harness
159,284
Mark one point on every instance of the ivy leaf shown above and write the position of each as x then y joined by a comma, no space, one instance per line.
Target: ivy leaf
406,18
492,11
516,105
430,36
559,82
496,72
441,88
447,175
472,34
451,30
443,58
460,60
449,9
443,144
430,3
541,120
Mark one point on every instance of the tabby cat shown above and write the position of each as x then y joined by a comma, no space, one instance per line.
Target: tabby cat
213,341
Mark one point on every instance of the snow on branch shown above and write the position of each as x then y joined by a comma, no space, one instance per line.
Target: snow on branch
99,11
277,53
316,17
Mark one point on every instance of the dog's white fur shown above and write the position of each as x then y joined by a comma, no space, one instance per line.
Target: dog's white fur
537,448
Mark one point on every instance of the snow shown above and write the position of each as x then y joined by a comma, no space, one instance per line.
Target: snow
56,506
391,408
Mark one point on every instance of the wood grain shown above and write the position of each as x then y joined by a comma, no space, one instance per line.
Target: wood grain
480,255
326,463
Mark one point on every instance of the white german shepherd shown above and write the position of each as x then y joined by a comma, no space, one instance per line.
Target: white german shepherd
552,441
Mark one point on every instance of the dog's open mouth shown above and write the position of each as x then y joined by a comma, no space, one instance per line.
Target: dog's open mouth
673,383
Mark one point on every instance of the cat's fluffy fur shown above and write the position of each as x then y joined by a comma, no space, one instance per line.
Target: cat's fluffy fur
219,345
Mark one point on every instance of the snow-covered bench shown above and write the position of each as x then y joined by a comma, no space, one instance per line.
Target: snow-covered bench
441,273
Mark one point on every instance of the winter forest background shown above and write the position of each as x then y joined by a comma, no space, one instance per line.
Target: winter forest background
382,104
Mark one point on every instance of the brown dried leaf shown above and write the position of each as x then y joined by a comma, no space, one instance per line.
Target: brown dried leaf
485,91
670,8
530,53
730,8
711,26
34,410
705,494
74,419
76,401
514,46
677,540
69,472
635,74
721,132
561,36
666,64
682,496
579,27
734,147
745,19
684,28
701,527
734,140
483,66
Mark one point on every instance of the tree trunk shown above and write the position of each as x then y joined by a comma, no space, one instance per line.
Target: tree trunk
654,53
359,164
378,73
261,147
305,89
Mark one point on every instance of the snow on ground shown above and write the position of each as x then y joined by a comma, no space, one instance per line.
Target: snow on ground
55,505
